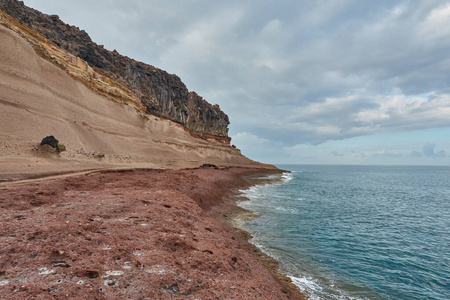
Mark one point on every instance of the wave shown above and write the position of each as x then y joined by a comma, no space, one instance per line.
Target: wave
315,291
284,209
286,177
315,288
268,198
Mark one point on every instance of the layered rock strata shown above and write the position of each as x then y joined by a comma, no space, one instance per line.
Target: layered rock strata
152,90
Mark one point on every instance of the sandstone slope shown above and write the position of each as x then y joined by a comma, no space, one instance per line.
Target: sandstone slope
160,93
38,99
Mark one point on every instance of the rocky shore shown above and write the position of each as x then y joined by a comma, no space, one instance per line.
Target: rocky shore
137,234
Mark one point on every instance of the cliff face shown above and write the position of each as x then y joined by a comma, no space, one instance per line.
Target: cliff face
161,94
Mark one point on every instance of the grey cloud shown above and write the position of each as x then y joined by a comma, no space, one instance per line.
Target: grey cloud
428,151
335,153
358,154
388,154
416,154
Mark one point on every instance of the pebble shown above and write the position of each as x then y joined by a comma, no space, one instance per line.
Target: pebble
4,282
110,282
114,273
45,271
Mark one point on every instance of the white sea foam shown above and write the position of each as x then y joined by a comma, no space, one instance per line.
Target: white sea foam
313,289
252,193
307,285
287,176
289,210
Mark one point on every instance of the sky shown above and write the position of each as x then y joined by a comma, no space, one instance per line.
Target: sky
303,81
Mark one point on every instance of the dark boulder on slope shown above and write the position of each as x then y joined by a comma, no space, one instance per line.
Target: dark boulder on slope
50,140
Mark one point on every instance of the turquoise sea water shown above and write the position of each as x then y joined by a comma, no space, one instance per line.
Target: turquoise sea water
358,232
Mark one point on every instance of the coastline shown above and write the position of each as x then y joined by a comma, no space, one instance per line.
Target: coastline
110,234
231,214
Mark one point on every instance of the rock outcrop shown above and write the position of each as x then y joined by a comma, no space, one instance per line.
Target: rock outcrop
160,93
50,140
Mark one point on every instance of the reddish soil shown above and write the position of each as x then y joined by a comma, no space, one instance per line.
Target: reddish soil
147,234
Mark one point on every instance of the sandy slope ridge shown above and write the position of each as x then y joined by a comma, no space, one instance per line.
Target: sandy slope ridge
38,99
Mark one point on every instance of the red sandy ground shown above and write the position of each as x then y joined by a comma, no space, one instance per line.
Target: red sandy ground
130,235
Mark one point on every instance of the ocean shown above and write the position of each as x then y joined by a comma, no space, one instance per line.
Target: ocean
357,232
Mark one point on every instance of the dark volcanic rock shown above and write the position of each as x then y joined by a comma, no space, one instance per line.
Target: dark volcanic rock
163,94
50,140
209,166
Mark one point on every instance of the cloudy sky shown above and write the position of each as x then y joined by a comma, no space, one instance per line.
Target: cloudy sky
303,81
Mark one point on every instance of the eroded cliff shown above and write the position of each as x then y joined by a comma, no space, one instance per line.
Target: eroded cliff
47,91
149,88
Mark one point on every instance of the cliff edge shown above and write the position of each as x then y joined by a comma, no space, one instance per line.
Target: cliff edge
48,91
158,92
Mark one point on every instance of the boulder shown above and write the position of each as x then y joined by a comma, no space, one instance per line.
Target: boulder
50,140
209,166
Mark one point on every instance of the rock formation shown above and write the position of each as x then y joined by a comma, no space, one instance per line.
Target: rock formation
160,93
50,140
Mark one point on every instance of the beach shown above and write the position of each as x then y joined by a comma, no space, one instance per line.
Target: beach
132,234
125,211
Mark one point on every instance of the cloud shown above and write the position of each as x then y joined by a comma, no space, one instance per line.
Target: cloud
437,23
415,153
428,151
375,153
248,139
255,146
387,154
336,153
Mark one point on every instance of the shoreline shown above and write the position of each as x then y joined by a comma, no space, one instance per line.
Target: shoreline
110,234
230,213
236,214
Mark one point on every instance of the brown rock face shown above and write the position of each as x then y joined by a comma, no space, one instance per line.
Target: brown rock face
162,94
